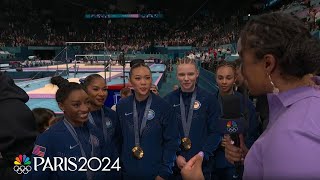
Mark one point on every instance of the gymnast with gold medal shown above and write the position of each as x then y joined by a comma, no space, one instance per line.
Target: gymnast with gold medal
149,130
197,111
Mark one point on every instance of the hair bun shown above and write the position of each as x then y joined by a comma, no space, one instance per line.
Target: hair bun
59,81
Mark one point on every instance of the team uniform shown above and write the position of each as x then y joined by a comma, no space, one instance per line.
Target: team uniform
203,134
159,138
63,140
106,121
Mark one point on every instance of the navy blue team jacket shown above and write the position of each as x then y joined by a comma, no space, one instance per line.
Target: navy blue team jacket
57,141
203,133
110,122
159,139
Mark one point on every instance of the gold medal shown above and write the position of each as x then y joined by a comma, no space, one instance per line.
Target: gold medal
185,144
196,105
137,152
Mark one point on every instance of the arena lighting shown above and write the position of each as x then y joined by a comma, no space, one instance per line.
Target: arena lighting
86,42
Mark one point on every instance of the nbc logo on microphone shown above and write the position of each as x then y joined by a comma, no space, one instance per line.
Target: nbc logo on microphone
232,126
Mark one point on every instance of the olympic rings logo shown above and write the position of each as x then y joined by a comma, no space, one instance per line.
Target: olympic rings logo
232,129
22,169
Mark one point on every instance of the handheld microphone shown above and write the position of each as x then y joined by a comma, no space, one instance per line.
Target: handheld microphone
232,122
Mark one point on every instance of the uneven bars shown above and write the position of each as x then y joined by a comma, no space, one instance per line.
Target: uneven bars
97,55
85,42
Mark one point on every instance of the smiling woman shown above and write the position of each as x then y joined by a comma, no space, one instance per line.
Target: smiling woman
96,87
103,117
73,136
73,101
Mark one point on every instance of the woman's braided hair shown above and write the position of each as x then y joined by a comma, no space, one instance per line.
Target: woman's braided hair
285,37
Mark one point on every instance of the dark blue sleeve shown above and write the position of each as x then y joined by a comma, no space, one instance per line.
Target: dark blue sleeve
117,133
214,138
253,131
168,98
116,125
43,143
171,140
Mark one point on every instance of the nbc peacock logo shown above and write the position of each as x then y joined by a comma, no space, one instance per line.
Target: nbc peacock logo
22,164
232,126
